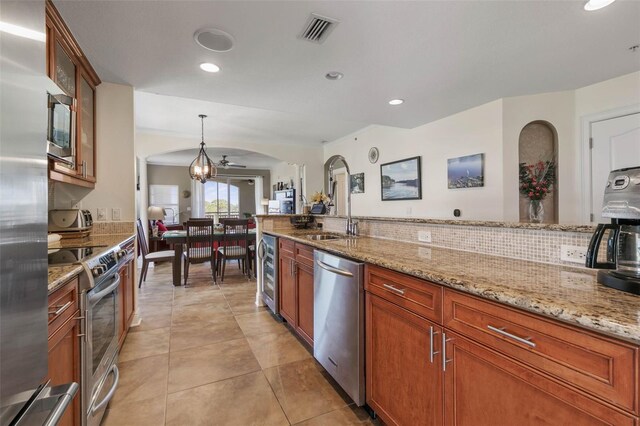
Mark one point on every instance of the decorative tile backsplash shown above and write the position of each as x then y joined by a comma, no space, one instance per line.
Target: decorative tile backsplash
527,244
107,228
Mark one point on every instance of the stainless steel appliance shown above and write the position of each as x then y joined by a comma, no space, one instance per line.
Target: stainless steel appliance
66,220
71,255
25,396
287,199
61,133
268,254
621,203
338,321
102,315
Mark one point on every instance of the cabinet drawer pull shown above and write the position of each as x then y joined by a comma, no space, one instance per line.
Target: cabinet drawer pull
60,308
501,330
432,353
444,351
397,290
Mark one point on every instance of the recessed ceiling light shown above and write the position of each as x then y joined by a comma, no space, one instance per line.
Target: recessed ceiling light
214,39
333,75
209,67
396,101
592,5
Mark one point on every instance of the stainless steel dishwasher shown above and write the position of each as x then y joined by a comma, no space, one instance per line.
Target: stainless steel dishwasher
338,321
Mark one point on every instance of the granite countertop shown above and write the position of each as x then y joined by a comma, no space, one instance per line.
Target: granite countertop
560,292
58,275
484,223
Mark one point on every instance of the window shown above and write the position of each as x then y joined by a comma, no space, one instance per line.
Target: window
166,196
221,198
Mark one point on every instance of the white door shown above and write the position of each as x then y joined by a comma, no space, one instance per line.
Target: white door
616,145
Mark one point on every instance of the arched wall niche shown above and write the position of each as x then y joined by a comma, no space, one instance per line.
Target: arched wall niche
538,141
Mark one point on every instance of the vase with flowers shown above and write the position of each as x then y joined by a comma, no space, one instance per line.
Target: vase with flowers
320,197
536,182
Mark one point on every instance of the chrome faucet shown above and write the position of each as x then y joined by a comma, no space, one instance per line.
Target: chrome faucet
351,227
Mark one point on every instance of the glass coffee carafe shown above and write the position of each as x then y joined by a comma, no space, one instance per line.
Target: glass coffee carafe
628,251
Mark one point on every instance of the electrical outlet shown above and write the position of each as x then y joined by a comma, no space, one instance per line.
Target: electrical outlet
101,214
424,252
409,211
115,214
424,236
575,254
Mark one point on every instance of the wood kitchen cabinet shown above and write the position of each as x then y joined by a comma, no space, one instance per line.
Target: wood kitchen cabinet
403,374
296,287
126,295
69,68
64,344
286,282
492,364
486,388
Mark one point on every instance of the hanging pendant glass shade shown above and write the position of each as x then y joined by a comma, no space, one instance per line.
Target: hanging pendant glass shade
202,168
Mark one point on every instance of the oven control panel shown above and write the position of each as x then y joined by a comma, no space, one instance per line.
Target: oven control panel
99,265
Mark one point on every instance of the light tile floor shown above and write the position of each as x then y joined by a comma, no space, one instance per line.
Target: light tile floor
207,355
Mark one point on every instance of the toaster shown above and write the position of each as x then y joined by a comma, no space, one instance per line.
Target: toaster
70,220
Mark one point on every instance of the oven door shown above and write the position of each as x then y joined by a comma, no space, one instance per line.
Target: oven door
102,330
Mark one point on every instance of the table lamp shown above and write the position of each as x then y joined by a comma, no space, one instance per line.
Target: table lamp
155,213
264,203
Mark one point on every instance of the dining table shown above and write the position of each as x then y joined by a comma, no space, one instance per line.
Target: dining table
178,238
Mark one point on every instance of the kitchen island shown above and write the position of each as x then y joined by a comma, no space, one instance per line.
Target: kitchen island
559,292
463,330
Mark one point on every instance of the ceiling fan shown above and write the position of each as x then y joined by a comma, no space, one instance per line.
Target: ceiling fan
226,164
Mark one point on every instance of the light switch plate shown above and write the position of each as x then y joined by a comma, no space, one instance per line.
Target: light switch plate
424,236
115,214
101,214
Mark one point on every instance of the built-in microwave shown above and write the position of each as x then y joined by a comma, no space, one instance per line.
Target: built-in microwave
61,128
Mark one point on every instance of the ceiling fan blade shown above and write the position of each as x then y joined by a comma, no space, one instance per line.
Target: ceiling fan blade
236,166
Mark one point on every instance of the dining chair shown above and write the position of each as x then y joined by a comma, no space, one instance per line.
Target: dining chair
233,245
156,256
199,246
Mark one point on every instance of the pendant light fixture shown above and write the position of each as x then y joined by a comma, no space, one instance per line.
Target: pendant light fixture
202,168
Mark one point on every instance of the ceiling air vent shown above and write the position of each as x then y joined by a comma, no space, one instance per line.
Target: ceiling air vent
317,28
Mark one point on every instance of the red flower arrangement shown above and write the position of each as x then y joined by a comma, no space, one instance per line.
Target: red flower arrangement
536,180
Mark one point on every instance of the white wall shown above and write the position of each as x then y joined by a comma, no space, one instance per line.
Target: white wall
493,129
478,130
116,179
556,108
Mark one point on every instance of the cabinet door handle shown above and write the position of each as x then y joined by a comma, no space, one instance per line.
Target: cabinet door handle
432,353
501,330
60,309
444,351
394,289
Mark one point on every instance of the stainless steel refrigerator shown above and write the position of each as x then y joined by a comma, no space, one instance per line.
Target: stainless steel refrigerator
25,397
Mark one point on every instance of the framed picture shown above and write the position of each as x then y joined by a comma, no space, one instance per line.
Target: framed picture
466,172
357,183
401,180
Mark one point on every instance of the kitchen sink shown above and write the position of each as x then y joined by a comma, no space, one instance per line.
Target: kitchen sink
322,237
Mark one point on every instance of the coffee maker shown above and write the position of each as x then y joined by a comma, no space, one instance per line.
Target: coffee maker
622,204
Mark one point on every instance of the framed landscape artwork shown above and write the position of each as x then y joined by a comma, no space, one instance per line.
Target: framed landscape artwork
466,172
357,183
401,180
